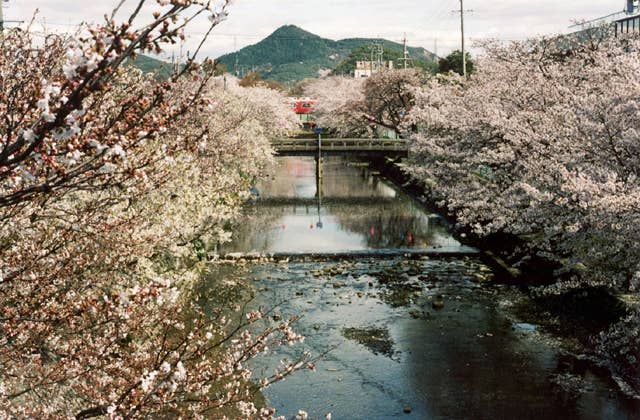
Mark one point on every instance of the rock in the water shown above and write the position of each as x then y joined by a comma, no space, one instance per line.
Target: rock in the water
438,304
407,410
415,314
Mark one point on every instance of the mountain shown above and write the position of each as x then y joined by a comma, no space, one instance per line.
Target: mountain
147,64
291,54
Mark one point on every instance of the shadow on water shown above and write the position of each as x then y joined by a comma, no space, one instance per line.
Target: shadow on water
354,211
420,339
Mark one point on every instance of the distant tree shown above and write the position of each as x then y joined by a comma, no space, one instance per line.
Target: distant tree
219,69
254,79
390,96
272,84
299,89
361,107
338,106
251,79
453,62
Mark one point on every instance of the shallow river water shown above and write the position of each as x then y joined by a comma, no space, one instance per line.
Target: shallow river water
420,337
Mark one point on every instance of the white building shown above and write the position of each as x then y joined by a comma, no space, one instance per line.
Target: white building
367,68
631,22
625,21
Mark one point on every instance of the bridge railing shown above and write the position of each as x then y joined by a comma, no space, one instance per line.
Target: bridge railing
340,144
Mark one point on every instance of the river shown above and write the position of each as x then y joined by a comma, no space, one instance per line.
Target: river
406,319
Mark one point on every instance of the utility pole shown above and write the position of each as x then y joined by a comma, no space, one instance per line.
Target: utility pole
464,52
464,55
2,21
235,49
380,54
2,16
405,53
372,50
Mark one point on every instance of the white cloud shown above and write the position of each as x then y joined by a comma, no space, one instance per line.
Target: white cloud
425,21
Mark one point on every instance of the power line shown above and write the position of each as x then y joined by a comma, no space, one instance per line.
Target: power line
2,21
405,54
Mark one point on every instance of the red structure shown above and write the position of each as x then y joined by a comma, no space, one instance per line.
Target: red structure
304,106
304,109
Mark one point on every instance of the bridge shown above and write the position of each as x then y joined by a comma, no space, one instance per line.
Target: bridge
326,201
341,147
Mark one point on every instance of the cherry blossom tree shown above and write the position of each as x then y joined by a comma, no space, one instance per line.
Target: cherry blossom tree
389,97
338,103
108,178
541,145
361,107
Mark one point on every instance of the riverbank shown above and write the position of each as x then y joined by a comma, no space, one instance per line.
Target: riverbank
581,315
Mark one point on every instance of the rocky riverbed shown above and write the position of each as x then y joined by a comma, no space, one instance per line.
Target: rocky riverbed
423,338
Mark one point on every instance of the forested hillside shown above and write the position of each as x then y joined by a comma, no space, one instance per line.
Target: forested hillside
293,54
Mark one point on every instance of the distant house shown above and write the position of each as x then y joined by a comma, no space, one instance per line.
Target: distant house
630,23
622,22
368,68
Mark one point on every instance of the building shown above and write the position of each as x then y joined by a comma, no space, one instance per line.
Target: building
624,21
630,23
368,68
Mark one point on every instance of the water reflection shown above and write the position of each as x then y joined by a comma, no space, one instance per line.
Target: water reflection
389,350
465,360
351,209
295,177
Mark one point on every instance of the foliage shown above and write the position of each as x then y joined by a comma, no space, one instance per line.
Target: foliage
338,99
453,62
541,144
390,97
104,170
363,107
147,64
253,79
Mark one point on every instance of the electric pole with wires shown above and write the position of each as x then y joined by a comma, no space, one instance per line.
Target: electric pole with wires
464,53
2,15
2,21
406,60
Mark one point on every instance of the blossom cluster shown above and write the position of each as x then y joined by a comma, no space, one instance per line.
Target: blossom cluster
541,145
365,107
113,185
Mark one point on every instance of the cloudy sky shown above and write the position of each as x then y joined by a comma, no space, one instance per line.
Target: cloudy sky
432,24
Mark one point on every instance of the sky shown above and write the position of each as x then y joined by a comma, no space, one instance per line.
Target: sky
432,24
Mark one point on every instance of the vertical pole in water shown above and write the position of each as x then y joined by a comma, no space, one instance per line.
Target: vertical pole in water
319,164
319,181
